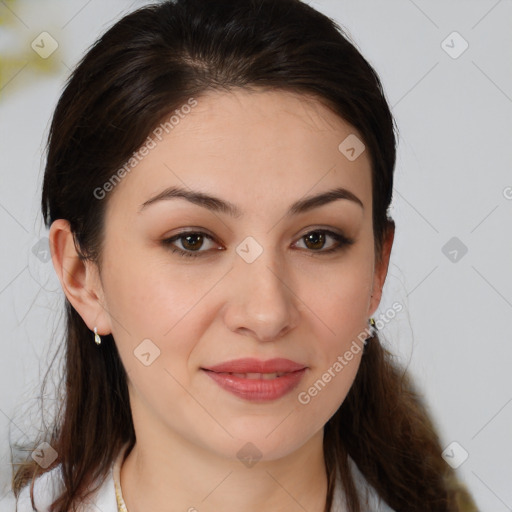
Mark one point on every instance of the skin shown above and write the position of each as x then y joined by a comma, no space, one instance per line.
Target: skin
261,150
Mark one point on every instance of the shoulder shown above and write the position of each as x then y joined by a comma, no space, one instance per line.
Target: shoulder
370,500
49,486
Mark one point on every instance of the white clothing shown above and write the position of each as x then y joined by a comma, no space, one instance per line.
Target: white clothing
47,487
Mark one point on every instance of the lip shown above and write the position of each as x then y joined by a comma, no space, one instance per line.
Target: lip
252,365
257,389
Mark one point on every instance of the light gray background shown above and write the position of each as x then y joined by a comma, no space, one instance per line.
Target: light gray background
453,179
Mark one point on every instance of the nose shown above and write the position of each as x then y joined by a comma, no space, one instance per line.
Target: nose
261,301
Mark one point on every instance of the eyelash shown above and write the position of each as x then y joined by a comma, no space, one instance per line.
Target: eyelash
342,240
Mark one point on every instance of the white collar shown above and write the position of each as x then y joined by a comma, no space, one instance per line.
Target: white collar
49,485
370,501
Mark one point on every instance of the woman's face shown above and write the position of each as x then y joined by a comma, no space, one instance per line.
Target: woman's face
253,284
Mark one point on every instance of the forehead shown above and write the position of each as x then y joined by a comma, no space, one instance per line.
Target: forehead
269,110
249,145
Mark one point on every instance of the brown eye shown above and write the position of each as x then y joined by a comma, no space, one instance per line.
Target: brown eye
191,243
315,240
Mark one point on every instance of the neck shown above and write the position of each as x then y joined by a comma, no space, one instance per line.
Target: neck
177,476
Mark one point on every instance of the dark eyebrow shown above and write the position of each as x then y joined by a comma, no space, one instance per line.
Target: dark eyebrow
216,204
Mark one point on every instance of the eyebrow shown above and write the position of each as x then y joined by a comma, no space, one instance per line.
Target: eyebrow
216,204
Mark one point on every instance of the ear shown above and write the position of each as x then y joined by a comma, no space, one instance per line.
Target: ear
79,279
381,268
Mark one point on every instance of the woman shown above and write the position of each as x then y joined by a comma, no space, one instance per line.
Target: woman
216,188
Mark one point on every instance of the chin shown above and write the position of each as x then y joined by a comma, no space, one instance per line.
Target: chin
264,440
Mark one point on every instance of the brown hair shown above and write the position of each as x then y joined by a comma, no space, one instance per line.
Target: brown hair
145,66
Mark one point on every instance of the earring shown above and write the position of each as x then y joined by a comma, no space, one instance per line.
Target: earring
97,338
372,327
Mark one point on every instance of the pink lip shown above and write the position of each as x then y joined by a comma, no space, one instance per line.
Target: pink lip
251,365
257,389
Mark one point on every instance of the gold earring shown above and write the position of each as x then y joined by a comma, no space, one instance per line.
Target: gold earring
97,338
373,327
372,330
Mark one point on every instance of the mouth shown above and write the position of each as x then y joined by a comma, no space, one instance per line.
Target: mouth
255,380
254,376
252,366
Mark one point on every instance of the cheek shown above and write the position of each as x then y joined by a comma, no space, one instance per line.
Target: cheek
150,297
339,292
326,390
337,356
149,294
339,299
